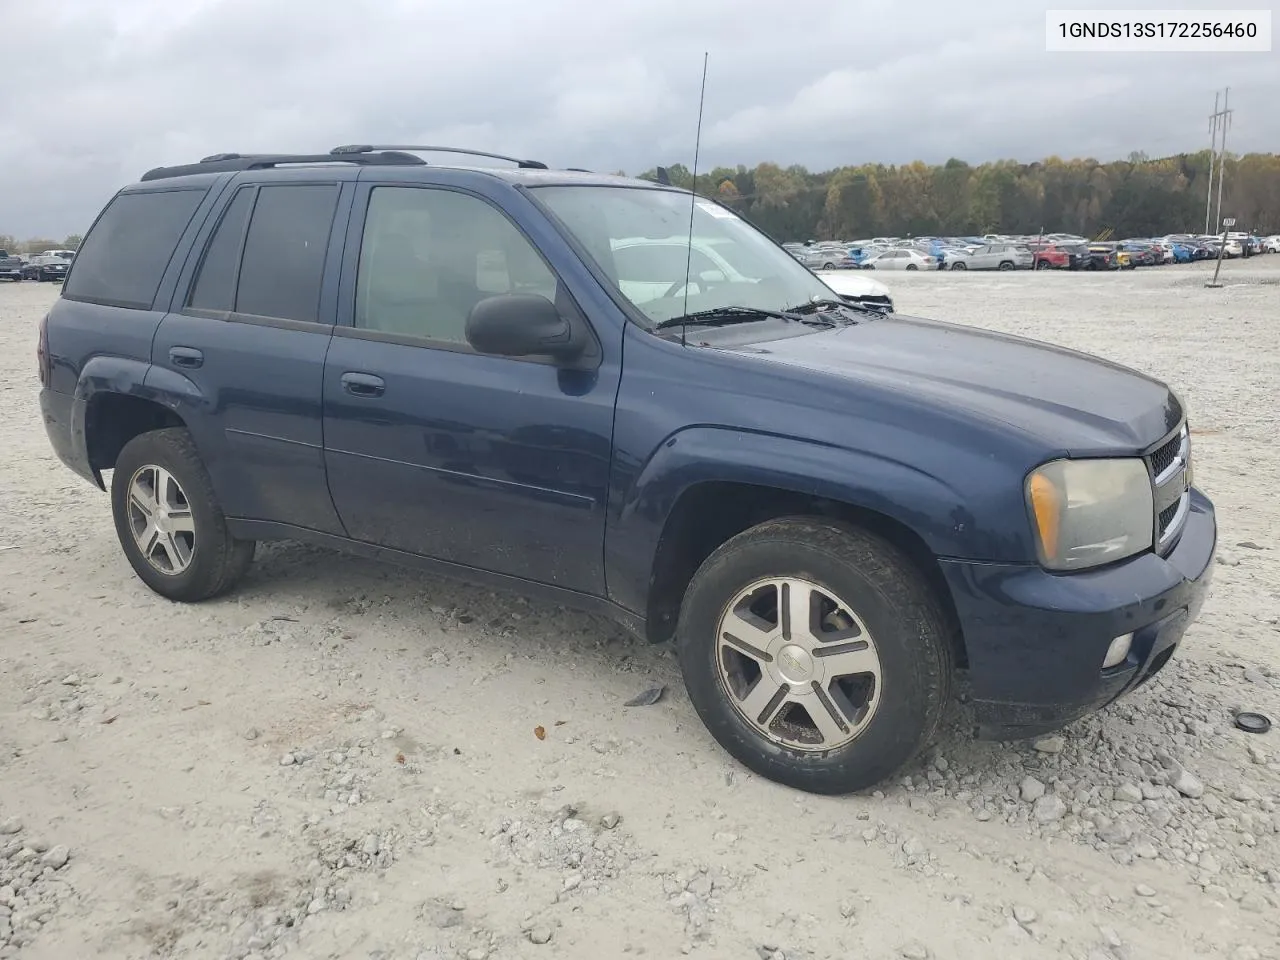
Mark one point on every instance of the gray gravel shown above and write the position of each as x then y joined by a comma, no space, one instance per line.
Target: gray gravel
340,758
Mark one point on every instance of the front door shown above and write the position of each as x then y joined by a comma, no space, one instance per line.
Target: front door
494,463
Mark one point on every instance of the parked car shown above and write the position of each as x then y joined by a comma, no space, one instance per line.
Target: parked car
1001,256
1108,256
1077,254
1049,257
827,507
826,257
45,269
10,267
1271,244
858,288
954,258
1140,254
902,258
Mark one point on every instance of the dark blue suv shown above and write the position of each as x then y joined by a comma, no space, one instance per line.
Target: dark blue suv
621,397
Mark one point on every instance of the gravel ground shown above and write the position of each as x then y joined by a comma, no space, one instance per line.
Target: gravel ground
350,760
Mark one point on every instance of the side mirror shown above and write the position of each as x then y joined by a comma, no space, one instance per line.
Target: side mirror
522,325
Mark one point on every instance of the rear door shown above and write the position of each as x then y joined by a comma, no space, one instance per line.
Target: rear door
984,258
250,325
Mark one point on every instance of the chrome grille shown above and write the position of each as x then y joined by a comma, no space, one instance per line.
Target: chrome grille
1170,466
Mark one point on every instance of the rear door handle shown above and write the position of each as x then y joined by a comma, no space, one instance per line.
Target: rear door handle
186,357
363,385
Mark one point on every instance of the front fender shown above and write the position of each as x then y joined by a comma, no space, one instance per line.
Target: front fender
930,506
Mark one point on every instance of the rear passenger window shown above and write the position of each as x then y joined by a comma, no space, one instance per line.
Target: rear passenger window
122,260
215,287
284,251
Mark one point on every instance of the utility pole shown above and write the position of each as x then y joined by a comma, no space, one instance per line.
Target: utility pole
1222,153
1213,146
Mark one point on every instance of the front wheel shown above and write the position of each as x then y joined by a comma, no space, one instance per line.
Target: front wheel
959,265
168,520
1006,265
912,266
815,654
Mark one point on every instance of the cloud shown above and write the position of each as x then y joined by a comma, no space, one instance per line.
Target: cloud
96,93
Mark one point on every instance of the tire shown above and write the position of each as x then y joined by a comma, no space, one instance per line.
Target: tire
215,560
959,265
912,266
1043,265
1006,265
875,586
828,266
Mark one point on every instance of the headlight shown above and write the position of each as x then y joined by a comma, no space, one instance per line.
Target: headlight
1090,512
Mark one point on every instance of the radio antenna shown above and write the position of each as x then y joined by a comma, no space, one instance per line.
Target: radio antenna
693,199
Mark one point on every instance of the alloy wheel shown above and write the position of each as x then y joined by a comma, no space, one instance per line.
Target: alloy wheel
798,664
160,520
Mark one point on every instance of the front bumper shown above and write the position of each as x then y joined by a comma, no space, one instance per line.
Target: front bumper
1036,640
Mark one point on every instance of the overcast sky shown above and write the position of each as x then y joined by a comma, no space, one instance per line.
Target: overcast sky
97,91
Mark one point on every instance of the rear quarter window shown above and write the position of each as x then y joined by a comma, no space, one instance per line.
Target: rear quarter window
123,259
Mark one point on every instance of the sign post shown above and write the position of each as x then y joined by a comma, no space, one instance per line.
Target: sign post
1227,223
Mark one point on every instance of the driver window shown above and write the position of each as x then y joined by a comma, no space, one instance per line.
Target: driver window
429,255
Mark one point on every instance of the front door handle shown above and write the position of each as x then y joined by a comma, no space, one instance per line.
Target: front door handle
363,385
188,357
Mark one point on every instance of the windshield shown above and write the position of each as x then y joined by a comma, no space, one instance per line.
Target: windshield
639,237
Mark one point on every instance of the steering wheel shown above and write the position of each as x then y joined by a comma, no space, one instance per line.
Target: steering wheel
676,286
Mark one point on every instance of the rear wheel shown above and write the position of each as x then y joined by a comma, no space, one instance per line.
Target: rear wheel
168,520
815,654
959,265
1006,265
912,266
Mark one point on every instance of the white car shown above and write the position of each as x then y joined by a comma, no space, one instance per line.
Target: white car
857,288
1271,244
901,259
954,258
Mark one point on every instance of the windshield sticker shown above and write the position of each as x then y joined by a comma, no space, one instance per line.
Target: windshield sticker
717,211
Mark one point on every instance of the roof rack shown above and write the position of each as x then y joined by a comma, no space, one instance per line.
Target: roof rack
226,162
359,149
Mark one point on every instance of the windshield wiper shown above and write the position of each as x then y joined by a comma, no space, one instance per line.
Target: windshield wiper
723,316
813,306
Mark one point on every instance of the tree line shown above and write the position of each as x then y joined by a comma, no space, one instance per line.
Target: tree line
1138,197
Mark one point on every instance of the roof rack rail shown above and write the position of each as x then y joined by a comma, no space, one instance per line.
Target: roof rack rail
358,149
227,162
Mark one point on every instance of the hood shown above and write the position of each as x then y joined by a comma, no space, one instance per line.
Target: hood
851,283
1068,400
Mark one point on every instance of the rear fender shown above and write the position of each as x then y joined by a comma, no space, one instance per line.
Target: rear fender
134,378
